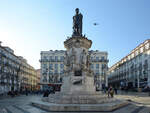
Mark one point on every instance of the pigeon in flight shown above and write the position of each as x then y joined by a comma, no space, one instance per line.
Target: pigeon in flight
95,24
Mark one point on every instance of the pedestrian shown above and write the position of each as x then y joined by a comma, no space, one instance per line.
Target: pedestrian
26,92
115,89
105,89
46,93
110,92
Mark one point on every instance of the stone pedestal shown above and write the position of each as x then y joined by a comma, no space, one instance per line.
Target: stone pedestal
86,88
78,78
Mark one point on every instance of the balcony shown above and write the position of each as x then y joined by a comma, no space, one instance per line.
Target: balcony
51,60
100,60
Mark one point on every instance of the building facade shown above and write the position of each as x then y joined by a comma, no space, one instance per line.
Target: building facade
132,71
15,72
38,72
53,68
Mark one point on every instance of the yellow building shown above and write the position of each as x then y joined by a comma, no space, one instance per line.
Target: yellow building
38,73
28,75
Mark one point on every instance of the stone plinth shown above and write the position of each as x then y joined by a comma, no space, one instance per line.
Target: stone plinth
78,77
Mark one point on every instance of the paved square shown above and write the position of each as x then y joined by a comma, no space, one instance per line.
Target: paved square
21,104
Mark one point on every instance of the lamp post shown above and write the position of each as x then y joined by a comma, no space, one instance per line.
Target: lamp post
106,76
17,79
138,80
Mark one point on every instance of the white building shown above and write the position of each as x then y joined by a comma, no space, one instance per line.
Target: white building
52,66
9,68
132,71
15,72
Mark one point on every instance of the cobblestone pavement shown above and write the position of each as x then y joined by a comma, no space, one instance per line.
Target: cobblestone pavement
21,104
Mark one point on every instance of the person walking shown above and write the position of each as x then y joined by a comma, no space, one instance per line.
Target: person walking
26,92
110,92
115,89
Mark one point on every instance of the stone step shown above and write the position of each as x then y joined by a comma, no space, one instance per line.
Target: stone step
32,109
12,109
22,109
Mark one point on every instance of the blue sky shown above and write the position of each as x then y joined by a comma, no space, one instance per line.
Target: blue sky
31,26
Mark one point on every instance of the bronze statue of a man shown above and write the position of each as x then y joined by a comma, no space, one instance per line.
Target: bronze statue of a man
77,23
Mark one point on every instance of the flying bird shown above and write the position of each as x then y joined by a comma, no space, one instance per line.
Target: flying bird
95,24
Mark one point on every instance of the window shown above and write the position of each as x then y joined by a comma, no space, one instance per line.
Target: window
56,58
56,66
97,72
62,71
45,57
51,57
145,64
147,46
62,58
103,66
129,57
92,66
145,55
61,65
50,72
97,66
56,71
141,49
50,66
148,52
140,57
44,66
135,59
132,55
102,58
97,58
136,52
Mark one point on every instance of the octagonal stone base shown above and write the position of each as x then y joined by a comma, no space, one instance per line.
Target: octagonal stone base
80,107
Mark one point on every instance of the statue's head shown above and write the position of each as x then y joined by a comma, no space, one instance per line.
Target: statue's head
77,10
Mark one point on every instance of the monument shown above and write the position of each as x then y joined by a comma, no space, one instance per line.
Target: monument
78,91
